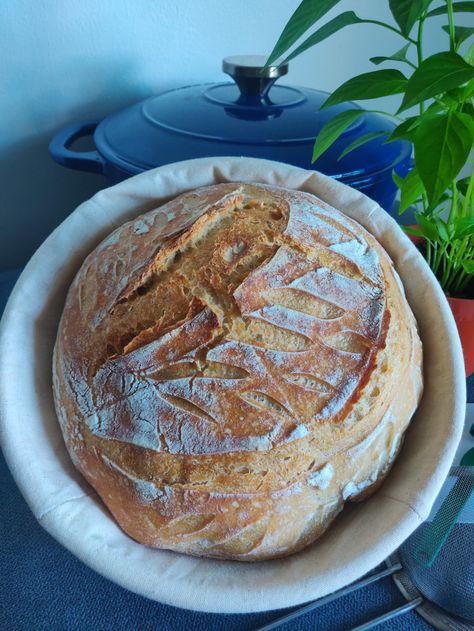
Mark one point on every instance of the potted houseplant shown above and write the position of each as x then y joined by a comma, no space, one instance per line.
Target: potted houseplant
436,114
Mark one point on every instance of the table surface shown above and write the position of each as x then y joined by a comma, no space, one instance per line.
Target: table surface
44,587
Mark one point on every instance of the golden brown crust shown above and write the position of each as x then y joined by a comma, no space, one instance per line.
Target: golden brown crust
241,354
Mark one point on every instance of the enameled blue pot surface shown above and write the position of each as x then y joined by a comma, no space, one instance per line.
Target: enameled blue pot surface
219,120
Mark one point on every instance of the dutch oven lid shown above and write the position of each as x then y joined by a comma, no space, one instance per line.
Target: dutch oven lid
246,115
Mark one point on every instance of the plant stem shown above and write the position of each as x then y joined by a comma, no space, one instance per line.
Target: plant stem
451,283
463,280
424,199
456,268
454,203
465,250
447,271
428,252
469,197
440,258
452,43
436,258
419,50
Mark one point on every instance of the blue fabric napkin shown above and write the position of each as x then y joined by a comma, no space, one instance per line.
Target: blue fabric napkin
44,587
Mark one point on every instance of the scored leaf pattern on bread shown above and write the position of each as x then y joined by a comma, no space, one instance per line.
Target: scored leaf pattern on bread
321,287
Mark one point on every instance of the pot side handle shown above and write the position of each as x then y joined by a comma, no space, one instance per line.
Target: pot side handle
90,161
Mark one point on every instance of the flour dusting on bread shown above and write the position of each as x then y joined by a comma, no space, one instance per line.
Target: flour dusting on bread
242,353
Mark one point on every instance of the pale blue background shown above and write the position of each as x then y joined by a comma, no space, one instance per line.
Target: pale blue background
65,60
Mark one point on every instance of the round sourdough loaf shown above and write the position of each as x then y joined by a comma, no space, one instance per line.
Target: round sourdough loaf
233,366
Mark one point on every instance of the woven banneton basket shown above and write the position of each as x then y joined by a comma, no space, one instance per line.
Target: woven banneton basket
69,509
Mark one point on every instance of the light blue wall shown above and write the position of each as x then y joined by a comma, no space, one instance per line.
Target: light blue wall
64,60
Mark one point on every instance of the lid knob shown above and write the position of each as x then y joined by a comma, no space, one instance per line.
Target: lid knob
250,75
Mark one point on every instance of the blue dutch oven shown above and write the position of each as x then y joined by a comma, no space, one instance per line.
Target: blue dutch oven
247,117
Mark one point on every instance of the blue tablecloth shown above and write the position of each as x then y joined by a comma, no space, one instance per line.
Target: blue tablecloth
44,587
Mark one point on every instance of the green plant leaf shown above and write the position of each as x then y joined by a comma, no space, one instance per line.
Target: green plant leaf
405,130
400,55
469,56
331,131
339,22
362,140
468,266
447,195
462,186
468,108
434,108
466,91
462,94
442,228
435,75
407,12
464,227
427,227
411,230
307,14
442,146
411,188
461,33
369,85
458,7
449,99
